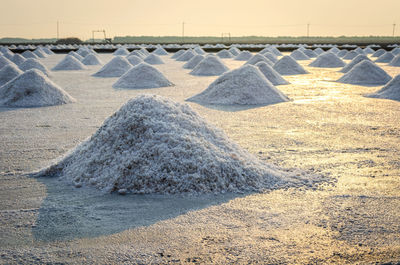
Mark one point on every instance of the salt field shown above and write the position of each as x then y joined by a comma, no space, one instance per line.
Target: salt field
334,147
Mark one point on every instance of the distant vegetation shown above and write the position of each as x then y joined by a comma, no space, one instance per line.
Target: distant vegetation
71,40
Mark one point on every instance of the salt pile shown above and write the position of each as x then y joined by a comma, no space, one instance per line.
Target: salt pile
134,60
91,59
273,76
378,53
243,86
77,56
4,61
69,63
8,73
288,66
28,54
142,76
186,56
234,51
365,73
390,91
355,61
154,145
351,55
160,51
271,57
275,51
18,59
209,66
34,64
122,51
193,62
342,53
310,53
334,50
153,59
318,51
39,53
395,61
32,89
144,51
243,56
368,50
177,54
327,60
199,50
114,68
84,52
224,54
299,55
385,58
259,58
138,54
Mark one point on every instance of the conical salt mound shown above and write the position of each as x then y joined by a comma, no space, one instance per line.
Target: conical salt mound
34,64
318,51
18,59
358,50
32,89
342,53
288,66
299,55
390,91
121,51
39,53
209,66
224,54
310,53
144,51
142,76
153,59
8,73
368,50
186,56
91,59
395,61
275,51
243,56
271,57
385,58
84,52
243,86
365,73
69,63
334,50
134,60
177,54
160,51
378,53
114,68
350,55
234,51
395,51
28,54
154,145
199,50
259,58
138,54
355,61
193,62
327,60
4,61
76,55
273,76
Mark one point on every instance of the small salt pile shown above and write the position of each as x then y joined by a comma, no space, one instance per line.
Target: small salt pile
234,51
258,58
138,54
327,60
351,55
224,54
153,59
34,64
199,50
122,51
77,56
18,59
358,50
191,64
395,61
378,53
390,91
342,53
134,60
368,50
318,51
32,89
84,52
334,50
186,56
114,68
209,66
355,61
310,53
273,76
243,86
365,73
8,73
28,54
288,66
39,53
160,51
4,61
177,54
9,55
299,55
144,51
69,63
91,59
385,58
243,56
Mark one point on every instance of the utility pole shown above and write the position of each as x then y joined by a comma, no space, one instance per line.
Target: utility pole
394,28
58,30
308,30
183,31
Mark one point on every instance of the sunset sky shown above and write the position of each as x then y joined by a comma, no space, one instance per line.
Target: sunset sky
38,19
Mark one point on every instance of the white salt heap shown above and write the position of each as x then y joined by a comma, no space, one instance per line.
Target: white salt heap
114,68
385,58
39,53
28,54
177,54
390,91
76,55
327,60
121,52
378,53
160,51
199,50
134,59
142,76
186,56
355,61
243,86
34,64
273,76
243,56
365,73
153,59
395,61
209,66
271,57
288,66
351,55
299,55
8,73
32,89
234,51
4,61
91,59
138,54
310,53
154,145
70,63
258,58
224,54
193,62
18,59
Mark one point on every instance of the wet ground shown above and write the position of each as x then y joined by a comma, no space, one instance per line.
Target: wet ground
328,128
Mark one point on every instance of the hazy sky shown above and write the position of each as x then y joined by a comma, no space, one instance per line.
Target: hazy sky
38,18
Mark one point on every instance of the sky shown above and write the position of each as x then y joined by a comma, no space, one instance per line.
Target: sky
38,19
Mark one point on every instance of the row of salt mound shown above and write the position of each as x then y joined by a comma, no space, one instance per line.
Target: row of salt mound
32,89
288,66
191,64
327,60
365,73
353,62
243,86
77,56
115,68
395,61
154,145
211,65
390,91
4,61
18,59
69,62
140,76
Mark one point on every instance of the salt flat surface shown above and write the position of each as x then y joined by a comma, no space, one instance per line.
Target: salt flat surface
329,128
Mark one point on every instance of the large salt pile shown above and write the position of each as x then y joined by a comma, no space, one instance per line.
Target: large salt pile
395,61
142,76
28,54
18,59
327,60
199,50
134,60
385,58
91,59
114,68
273,76
32,89
390,91
275,51
209,66
4,61
8,73
70,63
177,54
365,73
356,60
186,56
288,66
258,58
193,62
299,55
122,51
243,86
34,64
154,145
160,51
153,59
224,54
271,57
234,51
243,56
